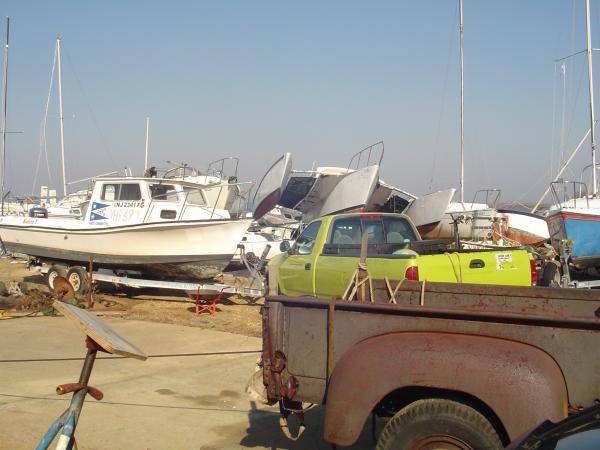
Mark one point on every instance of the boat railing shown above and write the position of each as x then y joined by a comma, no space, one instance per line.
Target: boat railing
218,168
373,154
569,193
488,196
587,168
179,171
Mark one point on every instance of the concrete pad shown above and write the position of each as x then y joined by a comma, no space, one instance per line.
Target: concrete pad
177,402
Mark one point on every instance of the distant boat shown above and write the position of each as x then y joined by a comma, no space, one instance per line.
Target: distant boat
438,217
575,215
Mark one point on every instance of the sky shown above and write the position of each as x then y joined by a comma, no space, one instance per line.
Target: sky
321,80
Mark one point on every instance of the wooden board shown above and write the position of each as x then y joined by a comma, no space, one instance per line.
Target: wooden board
99,331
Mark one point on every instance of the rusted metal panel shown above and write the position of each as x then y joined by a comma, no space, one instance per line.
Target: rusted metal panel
520,383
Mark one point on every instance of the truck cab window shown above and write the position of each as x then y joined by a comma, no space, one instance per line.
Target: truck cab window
346,231
398,230
306,241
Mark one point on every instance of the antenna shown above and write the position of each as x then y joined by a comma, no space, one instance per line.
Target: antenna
5,89
146,158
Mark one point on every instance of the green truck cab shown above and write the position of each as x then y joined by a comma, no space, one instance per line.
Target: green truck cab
326,254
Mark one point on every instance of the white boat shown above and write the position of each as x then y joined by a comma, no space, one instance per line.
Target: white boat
163,228
333,190
255,241
523,227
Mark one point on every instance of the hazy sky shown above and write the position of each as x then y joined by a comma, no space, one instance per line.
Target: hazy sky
318,79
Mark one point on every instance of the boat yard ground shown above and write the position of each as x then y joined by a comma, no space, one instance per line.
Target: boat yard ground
196,401
234,314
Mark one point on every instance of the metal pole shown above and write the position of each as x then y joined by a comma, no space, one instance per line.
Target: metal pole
4,102
146,158
60,107
462,107
537,205
591,89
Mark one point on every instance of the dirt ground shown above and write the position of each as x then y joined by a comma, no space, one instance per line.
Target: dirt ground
234,314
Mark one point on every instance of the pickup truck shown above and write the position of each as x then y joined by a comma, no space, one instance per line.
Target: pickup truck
325,256
457,366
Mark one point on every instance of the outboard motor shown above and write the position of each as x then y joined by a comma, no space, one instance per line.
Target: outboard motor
38,212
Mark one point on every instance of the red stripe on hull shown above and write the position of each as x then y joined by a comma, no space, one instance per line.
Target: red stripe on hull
580,216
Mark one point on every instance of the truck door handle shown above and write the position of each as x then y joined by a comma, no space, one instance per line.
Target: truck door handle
476,264
307,266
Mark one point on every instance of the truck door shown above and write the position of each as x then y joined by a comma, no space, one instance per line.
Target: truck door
296,273
340,257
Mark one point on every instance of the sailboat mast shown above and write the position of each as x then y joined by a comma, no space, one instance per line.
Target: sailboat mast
462,107
146,157
60,112
4,102
591,89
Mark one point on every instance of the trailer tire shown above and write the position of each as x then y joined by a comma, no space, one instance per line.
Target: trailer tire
51,275
438,423
77,276
550,275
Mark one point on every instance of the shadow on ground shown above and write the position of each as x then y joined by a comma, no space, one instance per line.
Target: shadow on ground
263,432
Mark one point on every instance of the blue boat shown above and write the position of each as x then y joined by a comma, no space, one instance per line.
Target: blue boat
582,226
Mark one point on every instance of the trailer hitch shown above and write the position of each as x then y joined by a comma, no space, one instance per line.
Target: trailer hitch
289,408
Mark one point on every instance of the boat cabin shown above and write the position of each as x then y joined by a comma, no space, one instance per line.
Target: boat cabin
129,201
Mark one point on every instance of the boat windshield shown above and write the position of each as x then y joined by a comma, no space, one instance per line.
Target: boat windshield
194,196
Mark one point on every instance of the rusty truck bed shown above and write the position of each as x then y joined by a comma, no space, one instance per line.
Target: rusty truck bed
564,323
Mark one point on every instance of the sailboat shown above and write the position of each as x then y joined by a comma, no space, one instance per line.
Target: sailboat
476,222
575,215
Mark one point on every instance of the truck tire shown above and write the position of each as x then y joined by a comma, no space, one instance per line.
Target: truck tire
77,276
440,424
550,275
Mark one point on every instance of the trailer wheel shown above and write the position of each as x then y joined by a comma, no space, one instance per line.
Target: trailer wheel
77,276
550,275
438,424
53,272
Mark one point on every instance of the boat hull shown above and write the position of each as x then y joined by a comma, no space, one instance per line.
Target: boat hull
524,228
583,228
171,250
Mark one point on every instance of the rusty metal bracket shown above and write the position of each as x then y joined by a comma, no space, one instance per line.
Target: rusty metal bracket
62,389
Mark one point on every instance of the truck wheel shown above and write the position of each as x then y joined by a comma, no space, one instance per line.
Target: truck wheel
53,272
77,276
550,275
438,424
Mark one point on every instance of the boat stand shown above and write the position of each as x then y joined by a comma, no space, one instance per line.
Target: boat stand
565,248
99,337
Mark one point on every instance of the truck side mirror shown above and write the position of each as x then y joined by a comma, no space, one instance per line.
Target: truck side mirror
285,247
